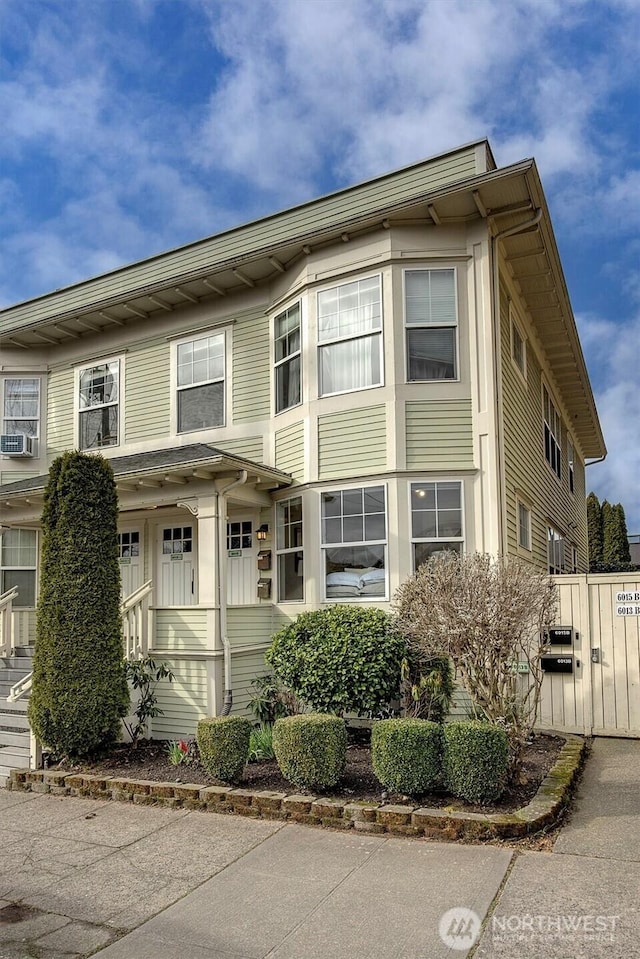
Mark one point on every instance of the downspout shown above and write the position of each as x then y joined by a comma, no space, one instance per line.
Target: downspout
519,228
222,587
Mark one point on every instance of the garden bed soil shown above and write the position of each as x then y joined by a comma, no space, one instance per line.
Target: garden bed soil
148,761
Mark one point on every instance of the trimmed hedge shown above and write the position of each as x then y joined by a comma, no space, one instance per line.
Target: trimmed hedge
476,760
311,749
223,742
407,754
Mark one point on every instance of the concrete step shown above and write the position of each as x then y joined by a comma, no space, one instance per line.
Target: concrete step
19,707
13,720
11,674
12,757
14,737
24,652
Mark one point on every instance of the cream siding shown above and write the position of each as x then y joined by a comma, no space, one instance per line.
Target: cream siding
352,443
181,629
250,447
24,621
251,374
251,625
527,473
290,450
439,434
147,394
14,476
60,412
245,666
183,702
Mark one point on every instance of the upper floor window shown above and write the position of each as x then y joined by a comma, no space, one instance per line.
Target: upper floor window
98,402
524,526
200,364
571,465
552,433
21,406
518,346
354,543
350,336
289,549
18,561
431,317
436,519
555,551
287,358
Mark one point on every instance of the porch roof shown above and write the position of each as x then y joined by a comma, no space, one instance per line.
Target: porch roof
179,465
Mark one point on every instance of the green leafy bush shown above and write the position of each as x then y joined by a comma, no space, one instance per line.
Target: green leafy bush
311,750
144,676
476,760
271,700
344,659
407,754
223,743
80,689
261,744
427,686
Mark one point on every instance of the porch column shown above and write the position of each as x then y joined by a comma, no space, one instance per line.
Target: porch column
208,595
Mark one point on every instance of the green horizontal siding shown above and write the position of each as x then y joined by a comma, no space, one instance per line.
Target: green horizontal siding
249,625
182,629
147,393
244,668
290,450
183,702
251,384
352,443
60,412
250,448
14,476
439,435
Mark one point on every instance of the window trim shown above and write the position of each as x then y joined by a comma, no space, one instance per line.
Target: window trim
515,325
276,364
523,504
435,539
321,344
455,326
35,569
92,365
3,415
553,438
346,487
220,329
289,550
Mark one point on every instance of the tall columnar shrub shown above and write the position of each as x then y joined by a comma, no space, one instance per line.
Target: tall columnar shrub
594,529
476,760
311,749
407,754
344,659
616,542
79,686
223,743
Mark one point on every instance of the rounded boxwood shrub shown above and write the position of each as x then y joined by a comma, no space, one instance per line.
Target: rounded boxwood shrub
407,754
311,750
476,760
223,742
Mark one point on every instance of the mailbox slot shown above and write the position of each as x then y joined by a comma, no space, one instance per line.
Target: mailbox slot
264,559
557,664
264,589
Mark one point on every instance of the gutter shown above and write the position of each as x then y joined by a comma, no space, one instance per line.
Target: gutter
240,480
511,231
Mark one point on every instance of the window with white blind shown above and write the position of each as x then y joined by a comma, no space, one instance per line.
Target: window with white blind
350,336
18,557
431,318
21,406
200,368
99,405
287,358
552,433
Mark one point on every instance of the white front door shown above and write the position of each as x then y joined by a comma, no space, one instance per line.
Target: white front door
177,559
242,557
130,560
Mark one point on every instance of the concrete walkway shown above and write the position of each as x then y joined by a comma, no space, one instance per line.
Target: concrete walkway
135,882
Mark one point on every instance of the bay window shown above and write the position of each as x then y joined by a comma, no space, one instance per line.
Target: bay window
289,549
354,543
350,336
436,519
287,358
98,405
431,318
200,382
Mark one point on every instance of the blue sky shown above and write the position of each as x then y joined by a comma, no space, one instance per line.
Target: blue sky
133,126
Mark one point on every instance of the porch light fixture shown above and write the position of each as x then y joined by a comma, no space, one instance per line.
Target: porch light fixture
262,532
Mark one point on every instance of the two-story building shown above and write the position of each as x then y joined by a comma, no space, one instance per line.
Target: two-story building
302,409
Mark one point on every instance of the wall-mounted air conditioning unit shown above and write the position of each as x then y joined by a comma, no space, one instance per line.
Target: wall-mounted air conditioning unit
16,444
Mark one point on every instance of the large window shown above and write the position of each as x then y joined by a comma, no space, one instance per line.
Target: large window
552,433
350,336
354,543
21,406
200,382
555,551
436,519
99,401
19,557
431,317
289,549
287,358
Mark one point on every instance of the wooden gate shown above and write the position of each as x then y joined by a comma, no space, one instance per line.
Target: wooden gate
602,694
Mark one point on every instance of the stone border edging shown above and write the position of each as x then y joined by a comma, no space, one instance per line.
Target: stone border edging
394,819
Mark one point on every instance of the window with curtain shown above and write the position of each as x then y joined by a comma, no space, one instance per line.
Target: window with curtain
436,519
21,406
200,368
19,554
350,336
289,549
354,543
552,433
431,318
287,358
99,401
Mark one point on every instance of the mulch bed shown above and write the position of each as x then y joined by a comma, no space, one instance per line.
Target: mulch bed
149,761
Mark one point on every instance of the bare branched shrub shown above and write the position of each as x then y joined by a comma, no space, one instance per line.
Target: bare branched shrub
488,616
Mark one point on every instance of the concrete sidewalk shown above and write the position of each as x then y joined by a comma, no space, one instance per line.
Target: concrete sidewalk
151,883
